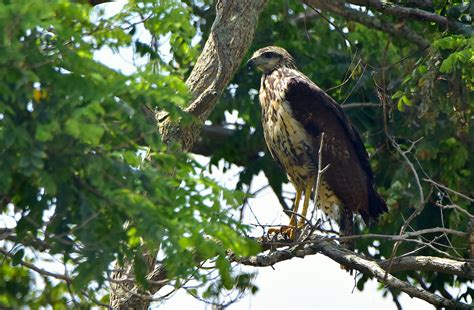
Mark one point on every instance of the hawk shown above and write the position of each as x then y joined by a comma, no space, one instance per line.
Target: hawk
295,114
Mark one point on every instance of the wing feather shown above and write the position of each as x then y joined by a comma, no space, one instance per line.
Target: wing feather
349,174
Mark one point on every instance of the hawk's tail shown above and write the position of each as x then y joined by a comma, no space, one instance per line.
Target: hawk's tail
377,205
346,228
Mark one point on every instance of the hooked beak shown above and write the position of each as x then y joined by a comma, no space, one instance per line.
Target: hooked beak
250,64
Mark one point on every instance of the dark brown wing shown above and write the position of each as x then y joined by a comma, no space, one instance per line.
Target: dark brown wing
349,174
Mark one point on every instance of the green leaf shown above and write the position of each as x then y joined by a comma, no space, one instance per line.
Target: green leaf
223,266
46,132
72,127
5,180
397,94
48,183
140,269
89,133
132,158
18,257
92,133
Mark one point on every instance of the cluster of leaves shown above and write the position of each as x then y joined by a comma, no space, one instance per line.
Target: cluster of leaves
73,138
429,96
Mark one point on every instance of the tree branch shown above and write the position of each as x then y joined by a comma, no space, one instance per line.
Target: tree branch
430,263
414,14
365,265
97,2
41,271
399,30
230,37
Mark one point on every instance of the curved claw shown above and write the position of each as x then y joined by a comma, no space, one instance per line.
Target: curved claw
289,231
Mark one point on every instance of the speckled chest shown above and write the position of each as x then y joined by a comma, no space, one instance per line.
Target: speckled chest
287,140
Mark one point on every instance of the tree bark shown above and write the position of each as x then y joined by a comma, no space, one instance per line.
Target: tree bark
231,36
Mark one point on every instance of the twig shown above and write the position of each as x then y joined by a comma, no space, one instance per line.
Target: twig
318,177
449,190
94,300
419,208
457,208
37,269
395,299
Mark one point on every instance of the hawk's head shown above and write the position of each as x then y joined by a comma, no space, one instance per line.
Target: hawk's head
270,58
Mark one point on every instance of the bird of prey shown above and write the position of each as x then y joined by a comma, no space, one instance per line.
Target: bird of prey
295,114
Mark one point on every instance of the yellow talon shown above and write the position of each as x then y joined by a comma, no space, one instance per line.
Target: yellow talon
290,230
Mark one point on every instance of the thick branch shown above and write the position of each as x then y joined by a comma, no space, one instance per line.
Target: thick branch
97,2
414,14
400,30
430,263
367,266
230,37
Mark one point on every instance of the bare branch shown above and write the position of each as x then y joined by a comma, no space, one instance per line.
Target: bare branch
358,105
366,266
97,2
37,269
414,14
449,190
399,30
430,263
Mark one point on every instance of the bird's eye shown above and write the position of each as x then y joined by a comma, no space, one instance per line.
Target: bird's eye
267,55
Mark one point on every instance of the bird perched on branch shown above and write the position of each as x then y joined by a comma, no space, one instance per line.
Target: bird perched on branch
296,114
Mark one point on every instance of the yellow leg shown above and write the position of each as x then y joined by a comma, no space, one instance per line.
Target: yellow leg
290,231
307,196
295,208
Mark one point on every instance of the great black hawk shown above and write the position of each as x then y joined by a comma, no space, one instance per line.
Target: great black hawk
295,113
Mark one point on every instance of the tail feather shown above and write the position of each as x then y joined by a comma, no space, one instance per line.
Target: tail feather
377,205
346,228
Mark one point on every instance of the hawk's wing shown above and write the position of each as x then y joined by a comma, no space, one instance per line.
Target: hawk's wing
349,174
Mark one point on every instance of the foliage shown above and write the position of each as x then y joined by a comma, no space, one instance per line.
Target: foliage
74,139
73,174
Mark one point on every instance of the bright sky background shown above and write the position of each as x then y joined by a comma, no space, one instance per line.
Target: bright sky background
315,282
